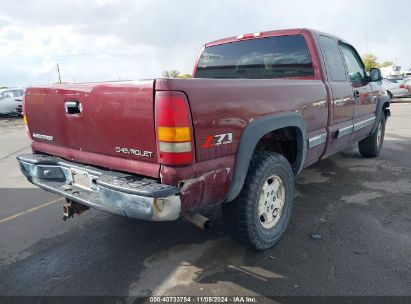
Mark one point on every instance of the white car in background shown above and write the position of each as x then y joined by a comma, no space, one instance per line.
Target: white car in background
392,71
392,87
407,86
11,101
406,73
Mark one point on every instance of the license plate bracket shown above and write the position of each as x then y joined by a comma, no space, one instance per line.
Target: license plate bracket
81,179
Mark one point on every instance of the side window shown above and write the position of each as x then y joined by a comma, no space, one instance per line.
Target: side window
333,58
18,93
354,65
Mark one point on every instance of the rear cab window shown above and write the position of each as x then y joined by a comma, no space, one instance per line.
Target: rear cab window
262,58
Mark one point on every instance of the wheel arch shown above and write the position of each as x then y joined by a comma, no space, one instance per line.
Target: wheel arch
383,105
252,134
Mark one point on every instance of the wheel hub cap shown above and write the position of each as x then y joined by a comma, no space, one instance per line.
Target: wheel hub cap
271,201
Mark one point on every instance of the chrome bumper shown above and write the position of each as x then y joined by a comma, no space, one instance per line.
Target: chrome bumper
123,194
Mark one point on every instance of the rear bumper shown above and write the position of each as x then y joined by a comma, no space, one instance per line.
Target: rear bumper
123,194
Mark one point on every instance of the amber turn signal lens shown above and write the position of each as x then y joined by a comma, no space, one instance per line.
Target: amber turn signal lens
174,134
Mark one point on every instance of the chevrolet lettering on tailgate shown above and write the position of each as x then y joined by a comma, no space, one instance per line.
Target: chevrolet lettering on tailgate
135,152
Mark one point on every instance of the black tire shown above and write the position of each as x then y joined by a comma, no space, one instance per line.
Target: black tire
241,216
371,146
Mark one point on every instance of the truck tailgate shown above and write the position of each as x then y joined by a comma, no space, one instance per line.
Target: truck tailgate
106,124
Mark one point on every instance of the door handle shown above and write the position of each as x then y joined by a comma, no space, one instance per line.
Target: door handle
73,107
356,94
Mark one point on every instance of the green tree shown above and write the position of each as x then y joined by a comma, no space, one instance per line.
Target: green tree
186,76
386,63
171,74
175,74
370,61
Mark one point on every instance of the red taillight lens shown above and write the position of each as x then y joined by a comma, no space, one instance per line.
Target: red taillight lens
402,86
174,128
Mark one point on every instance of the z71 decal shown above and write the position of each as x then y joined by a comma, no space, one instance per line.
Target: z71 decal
216,140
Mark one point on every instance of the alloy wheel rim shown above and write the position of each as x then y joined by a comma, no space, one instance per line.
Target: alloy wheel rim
271,202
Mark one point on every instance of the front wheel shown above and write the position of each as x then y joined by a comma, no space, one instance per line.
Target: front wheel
259,215
371,146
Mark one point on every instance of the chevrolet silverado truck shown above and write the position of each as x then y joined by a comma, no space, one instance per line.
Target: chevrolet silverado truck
259,109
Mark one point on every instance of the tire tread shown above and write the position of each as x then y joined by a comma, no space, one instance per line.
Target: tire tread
368,146
238,213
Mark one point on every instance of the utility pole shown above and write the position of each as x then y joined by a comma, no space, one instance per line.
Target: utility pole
58,71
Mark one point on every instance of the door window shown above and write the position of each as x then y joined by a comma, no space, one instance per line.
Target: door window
354,64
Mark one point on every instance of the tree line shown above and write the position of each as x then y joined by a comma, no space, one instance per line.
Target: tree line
370,61
175,74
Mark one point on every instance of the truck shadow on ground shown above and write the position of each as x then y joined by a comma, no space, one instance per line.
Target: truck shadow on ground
340,199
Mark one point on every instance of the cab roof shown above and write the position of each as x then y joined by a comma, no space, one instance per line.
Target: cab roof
284,32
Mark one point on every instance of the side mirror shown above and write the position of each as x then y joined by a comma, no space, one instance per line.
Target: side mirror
375,74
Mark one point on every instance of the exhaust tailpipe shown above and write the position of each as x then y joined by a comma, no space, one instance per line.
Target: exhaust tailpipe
70,208
198,220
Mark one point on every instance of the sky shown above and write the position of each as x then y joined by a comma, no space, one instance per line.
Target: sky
98,40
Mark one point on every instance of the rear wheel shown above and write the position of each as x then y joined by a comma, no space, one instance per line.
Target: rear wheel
259,215
371,146
389,94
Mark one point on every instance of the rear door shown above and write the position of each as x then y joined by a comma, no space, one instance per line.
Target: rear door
341,94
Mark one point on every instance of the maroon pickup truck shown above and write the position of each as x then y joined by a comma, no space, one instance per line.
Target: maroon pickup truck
260,108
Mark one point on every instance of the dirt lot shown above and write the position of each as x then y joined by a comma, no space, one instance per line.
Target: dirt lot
360,208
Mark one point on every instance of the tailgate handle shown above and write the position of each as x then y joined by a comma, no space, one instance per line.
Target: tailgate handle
73,107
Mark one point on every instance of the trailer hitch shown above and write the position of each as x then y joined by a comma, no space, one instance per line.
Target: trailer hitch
70,208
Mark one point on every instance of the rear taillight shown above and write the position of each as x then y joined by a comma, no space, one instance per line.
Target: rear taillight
174,128
26,124
402,86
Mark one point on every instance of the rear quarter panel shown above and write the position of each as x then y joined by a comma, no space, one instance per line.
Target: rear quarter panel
220,106
228,105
